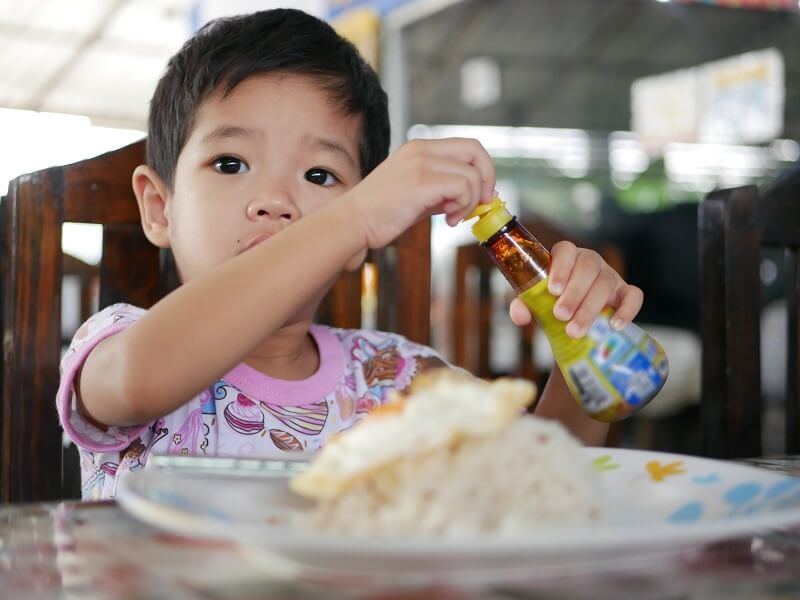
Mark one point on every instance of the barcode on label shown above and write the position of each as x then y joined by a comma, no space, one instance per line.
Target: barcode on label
593,395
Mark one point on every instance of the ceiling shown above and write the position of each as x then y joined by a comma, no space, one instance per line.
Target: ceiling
570,63
95,57
564,63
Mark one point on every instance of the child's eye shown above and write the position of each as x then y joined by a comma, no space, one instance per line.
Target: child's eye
230,165
321,177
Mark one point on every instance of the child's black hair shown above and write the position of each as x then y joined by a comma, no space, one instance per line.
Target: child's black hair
227,51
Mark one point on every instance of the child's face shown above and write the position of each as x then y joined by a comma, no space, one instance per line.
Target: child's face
274,150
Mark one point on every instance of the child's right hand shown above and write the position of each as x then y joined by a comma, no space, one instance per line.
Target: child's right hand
585,284
423,178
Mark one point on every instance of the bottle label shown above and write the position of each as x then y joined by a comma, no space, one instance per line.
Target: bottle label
611,374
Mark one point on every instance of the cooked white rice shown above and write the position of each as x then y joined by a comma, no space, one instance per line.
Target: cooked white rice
530,474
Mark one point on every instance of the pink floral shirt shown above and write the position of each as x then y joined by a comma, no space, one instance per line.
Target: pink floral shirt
244,413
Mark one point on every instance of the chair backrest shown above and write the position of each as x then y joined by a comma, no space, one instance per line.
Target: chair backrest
734,225
472,311
98,190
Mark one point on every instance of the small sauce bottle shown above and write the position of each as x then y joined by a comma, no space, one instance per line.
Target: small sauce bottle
611,374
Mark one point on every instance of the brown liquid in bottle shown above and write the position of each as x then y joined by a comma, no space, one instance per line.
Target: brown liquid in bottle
520,257
611,374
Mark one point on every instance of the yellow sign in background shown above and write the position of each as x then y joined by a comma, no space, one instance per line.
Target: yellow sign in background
361,26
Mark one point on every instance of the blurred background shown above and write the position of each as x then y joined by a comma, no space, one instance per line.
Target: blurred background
608,121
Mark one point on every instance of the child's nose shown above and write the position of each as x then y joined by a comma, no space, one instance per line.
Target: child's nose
275,209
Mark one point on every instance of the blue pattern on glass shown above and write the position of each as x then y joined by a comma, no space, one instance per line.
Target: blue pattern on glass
790,502
218,514
184,503
774,496
781,487
173,499
738,496
688,513
707,479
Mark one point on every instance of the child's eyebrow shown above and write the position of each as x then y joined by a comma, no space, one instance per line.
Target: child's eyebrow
225,132
332,145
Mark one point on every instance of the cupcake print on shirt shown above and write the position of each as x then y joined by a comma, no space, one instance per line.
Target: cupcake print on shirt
244,416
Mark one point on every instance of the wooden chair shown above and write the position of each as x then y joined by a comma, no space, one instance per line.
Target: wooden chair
473,304
734,225
98,190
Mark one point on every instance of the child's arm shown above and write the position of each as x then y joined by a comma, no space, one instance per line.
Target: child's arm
585,284
208,325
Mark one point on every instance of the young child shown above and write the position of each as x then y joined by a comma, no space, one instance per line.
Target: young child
266,177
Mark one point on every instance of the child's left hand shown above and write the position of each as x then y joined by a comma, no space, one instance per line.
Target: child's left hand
585,285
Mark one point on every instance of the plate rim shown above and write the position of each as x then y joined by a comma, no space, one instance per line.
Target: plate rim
560,539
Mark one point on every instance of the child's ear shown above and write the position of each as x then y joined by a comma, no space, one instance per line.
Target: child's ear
354,264
152,195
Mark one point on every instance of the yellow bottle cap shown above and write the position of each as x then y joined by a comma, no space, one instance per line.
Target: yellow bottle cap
492,217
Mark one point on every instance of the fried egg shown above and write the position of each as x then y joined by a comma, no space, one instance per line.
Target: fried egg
443,408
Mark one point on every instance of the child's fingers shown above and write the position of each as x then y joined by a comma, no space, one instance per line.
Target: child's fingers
519,313
454,213
456,216
447,166
471,152
564,255
593,302
455,187
456,196
630,300
585,271
459,208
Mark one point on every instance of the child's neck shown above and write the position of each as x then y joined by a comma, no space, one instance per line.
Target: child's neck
289,354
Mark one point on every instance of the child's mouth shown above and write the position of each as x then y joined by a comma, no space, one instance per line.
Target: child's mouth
256,241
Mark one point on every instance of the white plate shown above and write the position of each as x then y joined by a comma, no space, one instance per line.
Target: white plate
657,504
